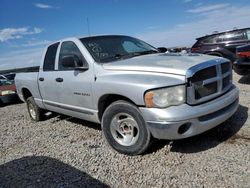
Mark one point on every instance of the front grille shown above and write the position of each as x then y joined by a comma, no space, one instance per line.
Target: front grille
208,83
205,91
225,67
226,81
204,74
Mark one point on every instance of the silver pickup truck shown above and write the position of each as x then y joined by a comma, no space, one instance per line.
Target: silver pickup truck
134,90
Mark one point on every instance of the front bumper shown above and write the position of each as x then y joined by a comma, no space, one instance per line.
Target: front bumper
177,122
10,98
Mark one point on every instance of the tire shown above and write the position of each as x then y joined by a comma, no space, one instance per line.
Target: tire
241,70
125,129
1,103
35,113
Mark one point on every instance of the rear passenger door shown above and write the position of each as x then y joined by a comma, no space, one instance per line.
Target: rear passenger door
46,79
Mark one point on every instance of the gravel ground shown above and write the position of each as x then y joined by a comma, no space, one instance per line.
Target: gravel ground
67,152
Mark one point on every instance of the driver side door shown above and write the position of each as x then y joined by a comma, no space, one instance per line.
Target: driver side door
75,85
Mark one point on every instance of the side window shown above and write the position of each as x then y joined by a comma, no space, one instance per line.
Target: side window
248,34
212,39
69,48
234,36
219,38
50,57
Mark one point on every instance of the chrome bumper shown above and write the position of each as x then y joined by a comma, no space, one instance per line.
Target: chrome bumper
184,121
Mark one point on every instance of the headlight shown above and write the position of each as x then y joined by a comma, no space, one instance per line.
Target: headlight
7,92
165,97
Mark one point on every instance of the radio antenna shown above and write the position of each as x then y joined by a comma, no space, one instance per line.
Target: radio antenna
88,26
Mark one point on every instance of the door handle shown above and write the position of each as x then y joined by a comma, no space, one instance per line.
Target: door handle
41,79
59,79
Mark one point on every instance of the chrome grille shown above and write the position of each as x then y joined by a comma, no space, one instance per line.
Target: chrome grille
208,83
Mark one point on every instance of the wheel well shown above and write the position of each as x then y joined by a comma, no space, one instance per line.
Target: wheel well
26,93
219,54
106,100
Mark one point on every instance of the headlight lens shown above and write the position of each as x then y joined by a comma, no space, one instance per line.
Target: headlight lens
6,92
165,97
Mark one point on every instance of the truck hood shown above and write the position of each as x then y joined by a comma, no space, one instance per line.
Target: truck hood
172,63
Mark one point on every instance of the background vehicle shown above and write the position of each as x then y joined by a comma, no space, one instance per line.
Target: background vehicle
242,64
7,92
131,88
222,44
10,76
2,77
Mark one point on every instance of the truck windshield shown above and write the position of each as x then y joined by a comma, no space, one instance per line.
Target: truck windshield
106,49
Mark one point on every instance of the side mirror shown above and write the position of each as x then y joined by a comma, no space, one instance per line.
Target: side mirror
162,49
73,62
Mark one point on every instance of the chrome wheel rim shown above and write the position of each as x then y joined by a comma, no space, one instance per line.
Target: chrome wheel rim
124,129
32,111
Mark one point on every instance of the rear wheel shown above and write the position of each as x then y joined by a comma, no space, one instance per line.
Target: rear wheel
125,129
34,111
1,103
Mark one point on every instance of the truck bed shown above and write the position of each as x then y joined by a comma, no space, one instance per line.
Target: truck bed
27,80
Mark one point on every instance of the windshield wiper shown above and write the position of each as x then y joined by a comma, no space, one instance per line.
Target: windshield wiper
148,52
129,55
132,54
121,56
114,57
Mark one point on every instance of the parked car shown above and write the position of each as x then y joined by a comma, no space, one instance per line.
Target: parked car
7,92
222,44
132,89
242,64
2,77
10,76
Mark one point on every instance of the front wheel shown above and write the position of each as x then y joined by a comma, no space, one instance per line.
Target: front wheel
34,111
125,129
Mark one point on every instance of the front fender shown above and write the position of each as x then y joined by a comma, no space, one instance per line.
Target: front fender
132,84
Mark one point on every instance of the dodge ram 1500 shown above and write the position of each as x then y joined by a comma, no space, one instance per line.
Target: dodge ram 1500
133,89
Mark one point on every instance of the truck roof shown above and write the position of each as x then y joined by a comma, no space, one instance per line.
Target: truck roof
93,36
213,34
83,37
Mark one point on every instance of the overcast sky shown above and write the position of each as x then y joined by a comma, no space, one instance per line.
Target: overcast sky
26,27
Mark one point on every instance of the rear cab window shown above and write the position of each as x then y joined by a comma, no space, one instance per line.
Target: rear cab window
50,57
